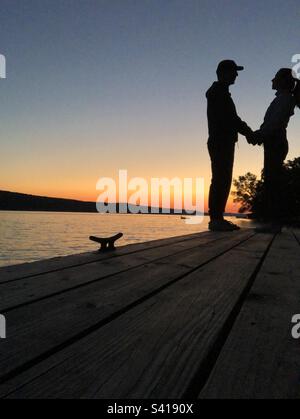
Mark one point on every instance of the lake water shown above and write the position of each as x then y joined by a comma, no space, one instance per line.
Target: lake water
31,236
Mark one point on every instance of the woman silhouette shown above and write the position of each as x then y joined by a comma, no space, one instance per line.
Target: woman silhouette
273,135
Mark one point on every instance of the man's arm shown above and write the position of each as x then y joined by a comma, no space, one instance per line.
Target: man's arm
221,111
243,128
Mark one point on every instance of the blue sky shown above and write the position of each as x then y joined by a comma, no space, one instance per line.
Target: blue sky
94,86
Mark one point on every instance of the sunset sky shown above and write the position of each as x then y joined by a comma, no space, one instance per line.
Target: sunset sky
94,86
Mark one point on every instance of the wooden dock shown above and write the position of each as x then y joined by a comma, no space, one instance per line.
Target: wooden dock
200,316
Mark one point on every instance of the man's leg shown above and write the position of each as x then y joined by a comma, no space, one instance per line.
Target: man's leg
222,158
228,157
215,193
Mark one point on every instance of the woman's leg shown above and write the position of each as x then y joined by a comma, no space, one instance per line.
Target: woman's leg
273,172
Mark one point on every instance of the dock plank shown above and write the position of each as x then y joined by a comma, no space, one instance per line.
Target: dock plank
32,333
26,270
154,349
25,291
261,359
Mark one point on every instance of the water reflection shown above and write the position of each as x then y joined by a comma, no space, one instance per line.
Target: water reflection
31,236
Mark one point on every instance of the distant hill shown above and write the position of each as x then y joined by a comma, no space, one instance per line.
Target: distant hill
13,201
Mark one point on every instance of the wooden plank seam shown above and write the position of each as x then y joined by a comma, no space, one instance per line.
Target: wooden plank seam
202,375
194,236
29,364
7,310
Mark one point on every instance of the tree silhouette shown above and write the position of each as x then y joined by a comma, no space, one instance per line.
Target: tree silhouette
246,192
249,193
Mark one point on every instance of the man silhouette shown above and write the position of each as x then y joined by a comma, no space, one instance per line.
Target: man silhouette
224,125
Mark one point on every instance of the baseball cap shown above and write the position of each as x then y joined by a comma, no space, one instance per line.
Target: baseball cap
228,65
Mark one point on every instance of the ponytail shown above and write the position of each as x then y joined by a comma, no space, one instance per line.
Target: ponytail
296,93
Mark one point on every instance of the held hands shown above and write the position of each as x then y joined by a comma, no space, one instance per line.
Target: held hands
254,138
